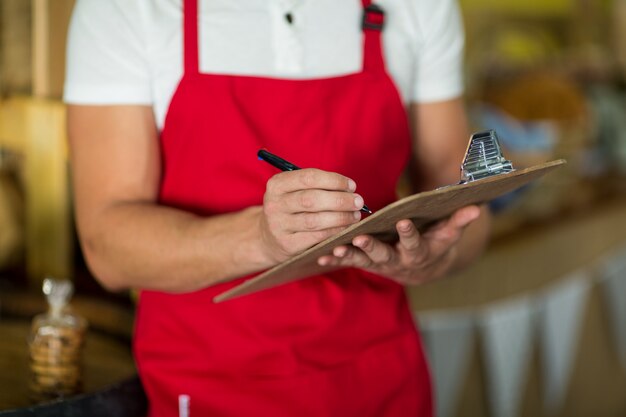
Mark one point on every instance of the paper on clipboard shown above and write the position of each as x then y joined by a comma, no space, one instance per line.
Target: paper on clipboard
423,208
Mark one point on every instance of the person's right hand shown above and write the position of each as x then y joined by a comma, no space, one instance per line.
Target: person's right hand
304,207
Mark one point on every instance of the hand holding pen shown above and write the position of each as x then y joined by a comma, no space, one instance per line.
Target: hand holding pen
304,207
285,165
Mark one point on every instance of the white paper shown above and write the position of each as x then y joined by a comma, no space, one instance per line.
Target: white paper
613,279
448,341
507,334
561,312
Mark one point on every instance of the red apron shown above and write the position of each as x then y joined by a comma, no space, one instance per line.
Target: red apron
342,344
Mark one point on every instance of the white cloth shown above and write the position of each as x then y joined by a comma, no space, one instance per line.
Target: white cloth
130,51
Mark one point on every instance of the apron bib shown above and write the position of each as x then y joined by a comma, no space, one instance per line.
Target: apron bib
340,344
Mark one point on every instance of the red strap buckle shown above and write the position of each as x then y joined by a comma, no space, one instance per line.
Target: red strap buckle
373,17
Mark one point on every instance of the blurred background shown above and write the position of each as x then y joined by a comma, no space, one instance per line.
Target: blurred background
537,327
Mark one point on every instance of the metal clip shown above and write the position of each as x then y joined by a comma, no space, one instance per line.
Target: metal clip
484,158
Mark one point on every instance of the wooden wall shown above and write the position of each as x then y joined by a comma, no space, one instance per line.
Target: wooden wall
32,46
15,47
50,21
32,124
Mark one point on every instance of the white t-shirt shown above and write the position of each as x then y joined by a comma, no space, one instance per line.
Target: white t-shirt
130,51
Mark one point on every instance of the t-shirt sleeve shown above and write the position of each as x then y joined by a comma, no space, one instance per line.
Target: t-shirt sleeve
106,62
439,69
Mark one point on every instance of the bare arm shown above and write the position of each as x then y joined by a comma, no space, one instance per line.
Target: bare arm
441,133
131,241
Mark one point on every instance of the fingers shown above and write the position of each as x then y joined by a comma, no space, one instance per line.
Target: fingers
416,256
377,251
309,178
452,228
410,239
346,256
310,222
319,200
464,216
303,207
311,200
366,253
311,190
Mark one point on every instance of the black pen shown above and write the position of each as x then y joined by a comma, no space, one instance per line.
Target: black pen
283,165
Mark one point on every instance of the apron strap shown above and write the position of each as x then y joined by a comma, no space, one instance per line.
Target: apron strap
372,26
190,39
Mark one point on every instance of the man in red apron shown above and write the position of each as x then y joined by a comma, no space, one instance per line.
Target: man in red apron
340,344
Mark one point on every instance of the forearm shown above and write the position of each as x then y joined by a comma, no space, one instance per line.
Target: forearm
130,241
441,134
144,245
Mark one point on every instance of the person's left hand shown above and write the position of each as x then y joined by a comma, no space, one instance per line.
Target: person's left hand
415,258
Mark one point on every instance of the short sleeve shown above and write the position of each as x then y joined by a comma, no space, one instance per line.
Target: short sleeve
439,66
106,62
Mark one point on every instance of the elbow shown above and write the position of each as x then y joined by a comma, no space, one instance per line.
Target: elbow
103,271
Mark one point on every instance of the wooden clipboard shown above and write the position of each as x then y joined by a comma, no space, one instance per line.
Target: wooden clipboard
423,208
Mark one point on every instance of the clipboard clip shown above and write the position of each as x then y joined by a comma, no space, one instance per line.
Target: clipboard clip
483,158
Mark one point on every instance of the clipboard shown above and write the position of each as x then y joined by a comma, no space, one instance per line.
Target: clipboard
423,208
